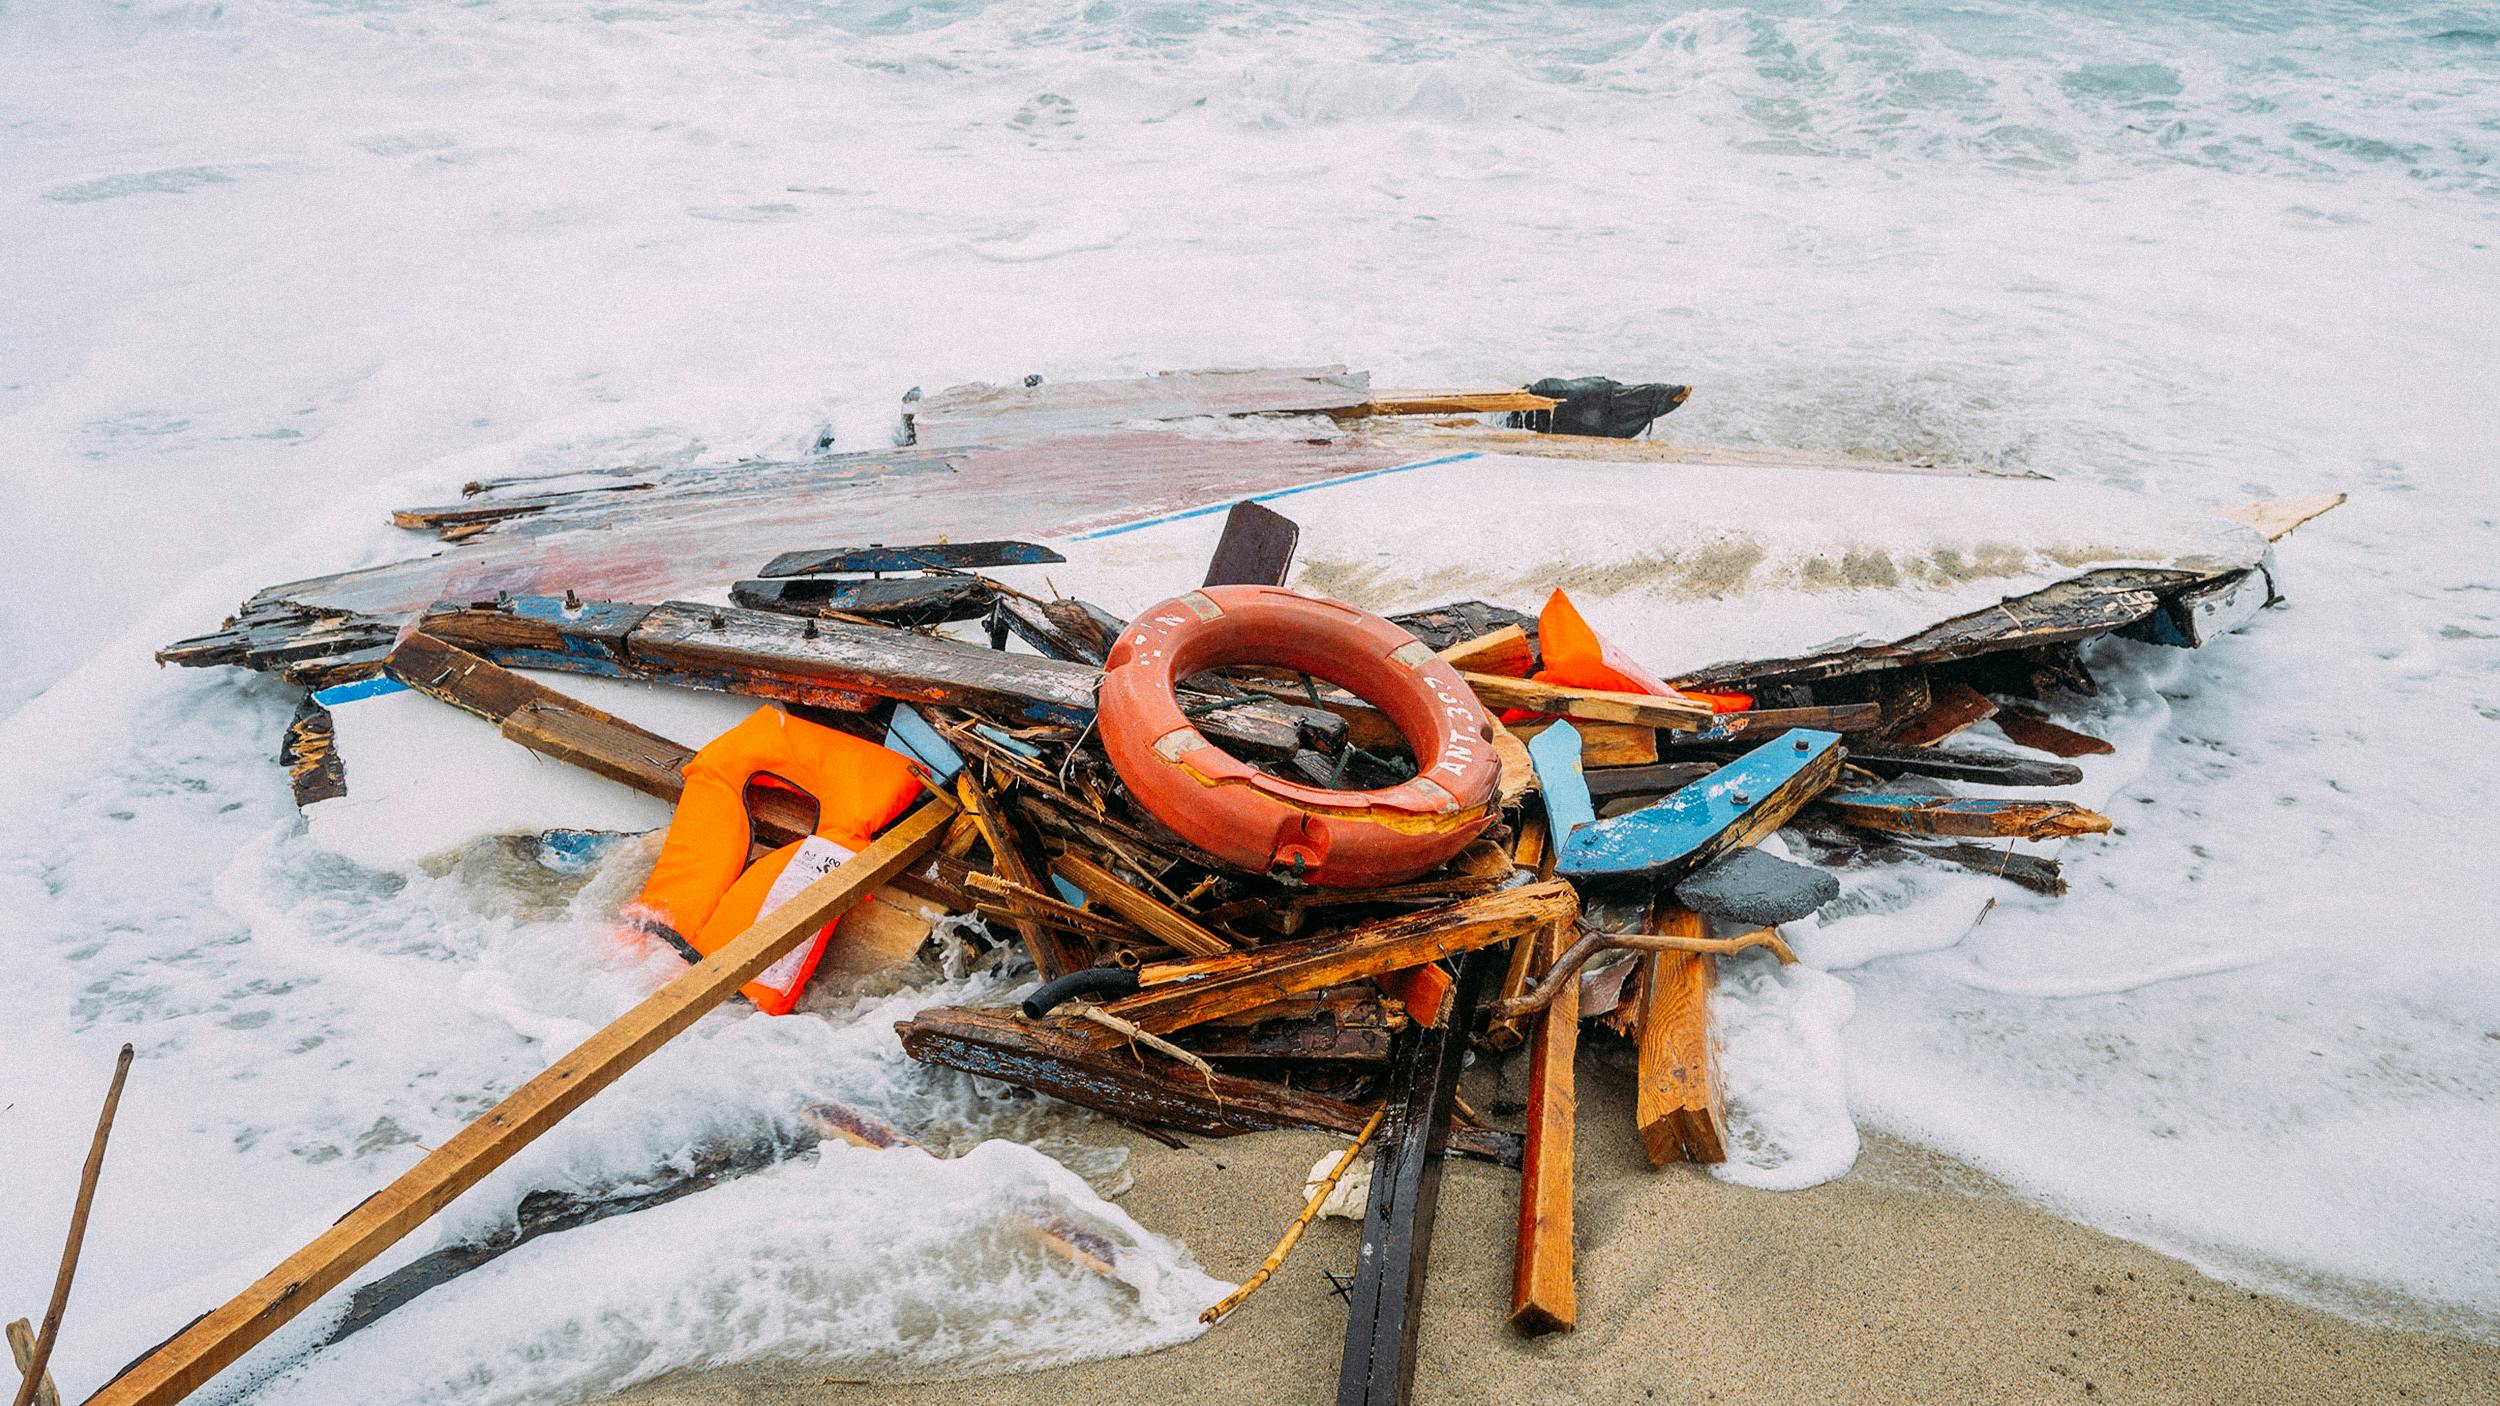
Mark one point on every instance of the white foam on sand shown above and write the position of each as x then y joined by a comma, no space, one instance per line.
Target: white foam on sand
277,267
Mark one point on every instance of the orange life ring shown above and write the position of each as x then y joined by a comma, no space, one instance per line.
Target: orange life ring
1248,818
703,892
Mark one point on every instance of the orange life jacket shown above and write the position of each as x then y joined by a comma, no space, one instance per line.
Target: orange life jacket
703,892
1577,656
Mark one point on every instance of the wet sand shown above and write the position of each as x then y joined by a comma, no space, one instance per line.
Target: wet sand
1910,1280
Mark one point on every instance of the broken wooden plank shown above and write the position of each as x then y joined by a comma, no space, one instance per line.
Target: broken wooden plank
1143,910
1543,1298
1681,1106
1611,744
1256,548
1386,1306
929,556
1608,783
1061,1060
1951,707
22,1348
900,601
1967,816
1835,845
1053,956
1178,995
310,754
1593,704
1736,805
1755,724
1448,403
2028,727
1507,651
2276,517
1442,626
1969,764
2197,615
828,663
214,1341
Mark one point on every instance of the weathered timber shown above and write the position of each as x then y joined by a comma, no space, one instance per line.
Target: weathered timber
1970,764
2198,615
2276,517
1036,625
1609,744
901,601
1735,805
828,663
1607,783
1543,1298
929,556
1256,548
1358,1034
214,1341
1445,625
2095,603
1835,845
1448,403
309,752
1951,708
1386,1307
1507,651
1592,704
1142,909
1053,955
1754,724
1681,1106
34,1378
1061,1060
1963,816
1182,994
2027,727
22,1348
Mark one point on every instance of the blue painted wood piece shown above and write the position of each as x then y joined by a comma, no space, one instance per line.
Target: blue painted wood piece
910,734
1017,744
1678,833
1555,753
1074,895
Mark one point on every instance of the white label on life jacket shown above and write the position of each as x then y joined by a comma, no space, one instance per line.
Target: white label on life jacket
815,858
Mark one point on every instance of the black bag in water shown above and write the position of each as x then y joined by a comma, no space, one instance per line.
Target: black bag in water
1598,405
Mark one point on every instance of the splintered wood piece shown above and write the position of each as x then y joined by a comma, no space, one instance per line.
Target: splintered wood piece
934,556
1507,651
1606,744
1542,1296
1756,723
1681,1106
1970,764
2027,728
1178,995
35,1378
1446,403
1147,912
1256,548
1735,805
1386,1306
22,1347
2276,517
1423,992
888,600
1053,955
1062,1060
1528,852
1592,704
198,1352
1967,816
1518,776
1952,707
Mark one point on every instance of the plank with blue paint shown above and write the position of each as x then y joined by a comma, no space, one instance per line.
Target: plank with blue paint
1975,816
1735,805
910,734
891,600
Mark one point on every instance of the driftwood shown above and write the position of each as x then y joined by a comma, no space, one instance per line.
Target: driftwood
1592,704
1681,1106
929,556
215,1340
1054,1058
1256,548
22,1349
1293,1233
1962,816
1178,995
1386,1306
2026,727
35,1378
891,600
1951,708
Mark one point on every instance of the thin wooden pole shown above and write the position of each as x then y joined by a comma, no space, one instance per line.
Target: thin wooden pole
22,1347
41,1357
1293,1233
209,1345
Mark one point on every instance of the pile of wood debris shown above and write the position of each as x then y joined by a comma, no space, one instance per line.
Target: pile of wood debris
1182,992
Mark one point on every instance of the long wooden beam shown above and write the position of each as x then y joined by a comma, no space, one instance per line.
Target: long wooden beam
1386,1306
1543,1298
1142,909
200,1351
1977,817
1593,704
1681,1106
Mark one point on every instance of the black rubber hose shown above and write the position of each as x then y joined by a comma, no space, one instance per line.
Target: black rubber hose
1093,981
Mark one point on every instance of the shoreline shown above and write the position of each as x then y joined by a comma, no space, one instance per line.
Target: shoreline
1913,1278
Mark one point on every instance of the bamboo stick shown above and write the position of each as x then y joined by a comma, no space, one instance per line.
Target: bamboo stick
1293,1233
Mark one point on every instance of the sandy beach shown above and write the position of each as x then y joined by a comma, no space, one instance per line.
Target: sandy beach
1912,1279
